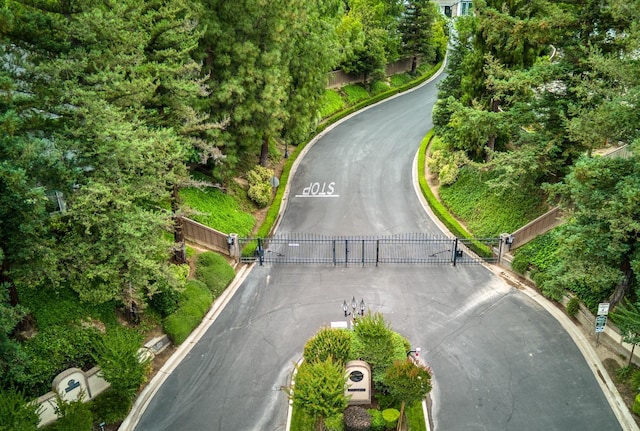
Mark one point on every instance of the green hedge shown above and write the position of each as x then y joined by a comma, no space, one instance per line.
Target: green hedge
195,301
214,271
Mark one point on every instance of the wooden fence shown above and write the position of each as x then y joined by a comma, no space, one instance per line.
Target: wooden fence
338,78
205,236
542,224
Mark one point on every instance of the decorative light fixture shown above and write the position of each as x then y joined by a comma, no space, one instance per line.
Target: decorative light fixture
354,306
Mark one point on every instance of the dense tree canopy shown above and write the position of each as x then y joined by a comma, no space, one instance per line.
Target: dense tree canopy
534,88
105,106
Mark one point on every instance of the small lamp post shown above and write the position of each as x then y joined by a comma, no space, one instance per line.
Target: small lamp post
354,306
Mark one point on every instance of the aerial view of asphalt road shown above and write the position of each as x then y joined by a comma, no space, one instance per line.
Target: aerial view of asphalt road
500,361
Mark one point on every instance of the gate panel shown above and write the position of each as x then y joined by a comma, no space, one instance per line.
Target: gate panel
415,248
359,250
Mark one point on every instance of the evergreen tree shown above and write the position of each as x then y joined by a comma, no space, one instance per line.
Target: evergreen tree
417,29
599,245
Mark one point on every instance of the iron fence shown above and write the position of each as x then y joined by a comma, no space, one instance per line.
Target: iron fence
416,248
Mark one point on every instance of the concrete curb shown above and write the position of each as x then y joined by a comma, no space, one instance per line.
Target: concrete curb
147,394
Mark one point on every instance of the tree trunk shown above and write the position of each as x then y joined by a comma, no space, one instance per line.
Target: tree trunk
180,255
495,105
623,287
399,426
264,153
633,346
414,65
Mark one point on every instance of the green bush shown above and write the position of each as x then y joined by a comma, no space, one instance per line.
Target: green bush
116,353
377,421
538,255
400,79
390,417
72,416
334,423
634,380
330,103
54,349
636,405
111,407
354,93
16,412
375,343
195,301
260,189
214,271
165,299
328,342
377,87
573,306
623,373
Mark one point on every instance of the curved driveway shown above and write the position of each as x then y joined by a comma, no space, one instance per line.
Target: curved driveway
500,361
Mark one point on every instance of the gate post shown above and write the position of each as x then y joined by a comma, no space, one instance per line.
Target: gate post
346,252
377,251
334,252
260,251
455,251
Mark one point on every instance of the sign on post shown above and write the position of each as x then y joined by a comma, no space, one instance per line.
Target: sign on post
601,321
603,309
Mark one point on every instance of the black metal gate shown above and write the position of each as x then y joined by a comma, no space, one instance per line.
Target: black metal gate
417,248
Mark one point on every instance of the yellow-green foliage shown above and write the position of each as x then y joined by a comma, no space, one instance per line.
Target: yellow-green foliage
328,343
447,165
260,188
636,405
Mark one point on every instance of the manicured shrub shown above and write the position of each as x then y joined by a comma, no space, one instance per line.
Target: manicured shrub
214,271
326,343
195,301
165,302
334,423
356,418
377,421
260,189
573,306
391,417
111,407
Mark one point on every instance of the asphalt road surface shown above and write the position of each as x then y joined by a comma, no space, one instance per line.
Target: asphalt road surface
500,361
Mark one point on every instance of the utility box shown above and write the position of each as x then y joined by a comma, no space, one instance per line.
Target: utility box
358,383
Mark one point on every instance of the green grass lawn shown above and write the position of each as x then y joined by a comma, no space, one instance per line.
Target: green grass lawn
217,210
